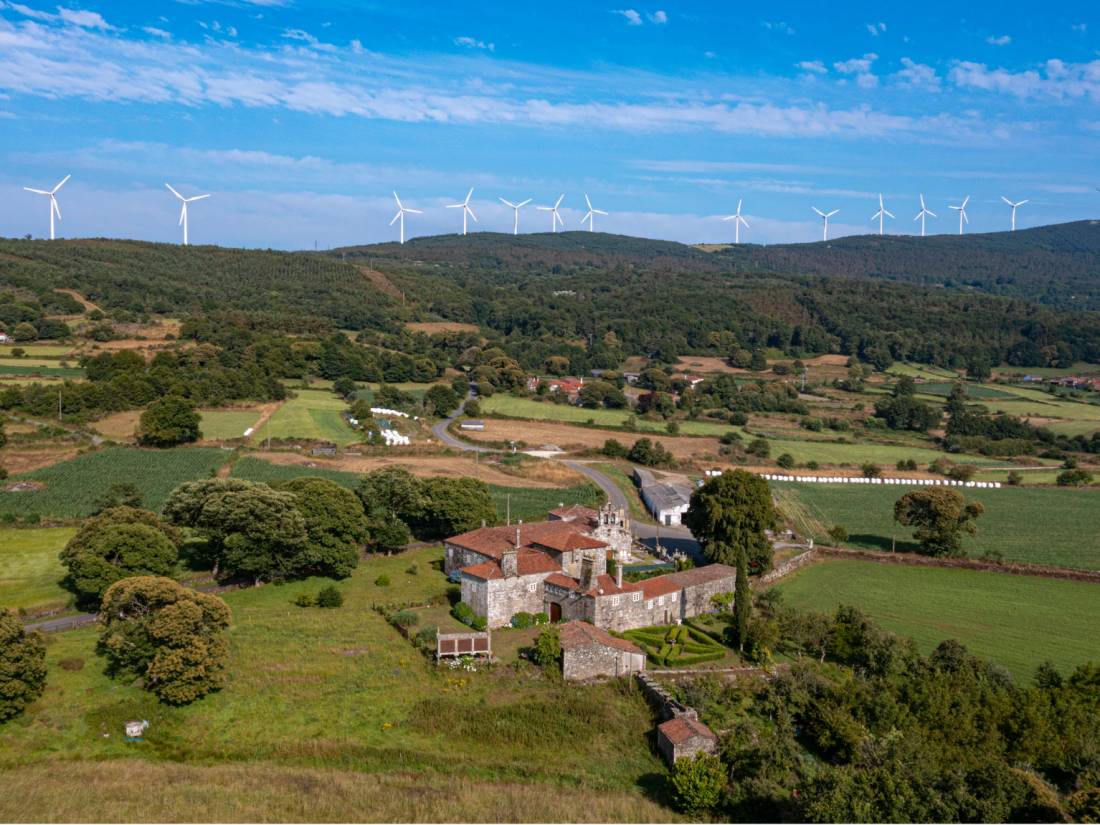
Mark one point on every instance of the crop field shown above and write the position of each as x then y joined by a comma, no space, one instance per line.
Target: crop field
1016,621
1039,525
36,350
313,415
29,567
341,690
222,425
24,366
256,469
72,487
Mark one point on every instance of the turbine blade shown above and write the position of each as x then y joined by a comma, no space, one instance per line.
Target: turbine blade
36,191
599,211
1006,200
397,199
933,214
183,214
832,213
588,202
587,216
56,208
174,192
63,182
545,208
888,214
414,211
455,205
966,200
1021,203
561,197
198,198
506,203
965,218
818,211
744,222
469,195
729,217
471,213
395,217
523,203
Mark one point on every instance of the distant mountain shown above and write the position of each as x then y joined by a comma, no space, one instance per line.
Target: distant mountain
1057,265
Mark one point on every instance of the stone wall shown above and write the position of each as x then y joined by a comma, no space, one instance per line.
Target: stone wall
624,612
455,557
697,596
786,568
595,660
498,600
661,700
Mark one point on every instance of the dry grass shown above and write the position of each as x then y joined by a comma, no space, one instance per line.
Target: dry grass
432,327
132,790
120,426
707,364
569,438
16,460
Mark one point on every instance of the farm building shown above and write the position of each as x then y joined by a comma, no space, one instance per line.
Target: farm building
560,568
684,736
589,652
472,424
667,501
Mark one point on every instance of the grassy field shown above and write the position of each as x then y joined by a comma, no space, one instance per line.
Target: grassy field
29,568
513,407
1016,621
36,350
312,691
256,469
619,473
72,487
312,415
225,424
20,366
1038,525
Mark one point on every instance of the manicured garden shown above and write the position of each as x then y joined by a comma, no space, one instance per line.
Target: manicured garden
677,646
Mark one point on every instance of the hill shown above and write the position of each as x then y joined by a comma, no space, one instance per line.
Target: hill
1057,265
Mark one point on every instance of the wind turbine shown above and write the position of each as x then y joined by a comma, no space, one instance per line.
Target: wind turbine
401,210
555,218
1014,206
737,221
882,210
466,210
961,209
825,217
54,208
591,216
183,211
516,207
924,210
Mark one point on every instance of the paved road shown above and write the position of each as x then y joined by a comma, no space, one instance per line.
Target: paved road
671,537
63,623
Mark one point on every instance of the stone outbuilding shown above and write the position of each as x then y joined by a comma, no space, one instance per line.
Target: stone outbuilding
684,736
589,652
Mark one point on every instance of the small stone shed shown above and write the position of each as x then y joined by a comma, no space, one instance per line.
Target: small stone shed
589,652
684,736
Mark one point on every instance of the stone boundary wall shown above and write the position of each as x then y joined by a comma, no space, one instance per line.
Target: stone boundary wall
786,568
662,701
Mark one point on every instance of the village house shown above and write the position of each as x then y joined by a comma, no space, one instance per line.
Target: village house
559,568
589,653
684,737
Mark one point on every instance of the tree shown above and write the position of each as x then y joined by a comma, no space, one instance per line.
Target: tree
115,545
123,494
22,666
252,530
786,461
335,525
452,506
547,651
330,597
389,535
649,453
698,783
1074,478
440,401
167,422
24,331
758,362
941,518
730,514
742,600
171,637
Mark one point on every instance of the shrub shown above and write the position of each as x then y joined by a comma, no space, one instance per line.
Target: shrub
406,619
523,620
962,472
329,597
838,534
907,464
382,581
304,600
1074,478
547,652
698,783
738,419
465,614
614,448
786,461
870,470
730,438
425,637
1015,478
759,447
413,569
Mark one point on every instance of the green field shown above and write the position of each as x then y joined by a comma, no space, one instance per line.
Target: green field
20,366
341,690
36,350
1038,525
508,405
72,487
1017,621
312,415
226,424
256,469
29,567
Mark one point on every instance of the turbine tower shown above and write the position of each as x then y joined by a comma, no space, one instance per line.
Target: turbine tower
54,208
737,221
401,210
882,210
961,209
466,210
555,218
183,211
516,207
591,216
825,217
1014,206
924,210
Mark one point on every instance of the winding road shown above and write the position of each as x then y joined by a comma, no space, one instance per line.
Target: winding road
672,537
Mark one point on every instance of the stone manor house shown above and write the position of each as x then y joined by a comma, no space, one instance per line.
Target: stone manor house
559,567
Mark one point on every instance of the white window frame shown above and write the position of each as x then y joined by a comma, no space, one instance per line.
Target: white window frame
614,601
673,596
636,597
532,587
660,601
649,605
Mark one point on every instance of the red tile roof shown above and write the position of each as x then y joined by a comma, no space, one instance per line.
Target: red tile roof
562,580
581,634
682,728
576,512
701,575
659,586
561,536
528,563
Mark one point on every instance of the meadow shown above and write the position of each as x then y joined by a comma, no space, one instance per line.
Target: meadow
72,487
1054,526
223,425
312,690
312,415
1016,621
512,407
30,570
36,350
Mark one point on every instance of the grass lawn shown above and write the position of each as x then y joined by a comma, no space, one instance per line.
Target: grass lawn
29,569
1038,525
72,487
225,424
1017,621
312,415
341,691
829,452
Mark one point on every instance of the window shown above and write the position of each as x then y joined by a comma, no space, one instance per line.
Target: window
532,587
636,597
649,605
614,601
673,596
660,600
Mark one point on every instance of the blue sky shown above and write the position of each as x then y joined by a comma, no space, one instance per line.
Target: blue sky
301,117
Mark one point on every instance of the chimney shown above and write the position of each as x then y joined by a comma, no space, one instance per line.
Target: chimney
588,574
509,564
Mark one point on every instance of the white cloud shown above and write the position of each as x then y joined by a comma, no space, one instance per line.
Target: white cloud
875,29
84,19
917,75
474,43
1001,40
34,14
1080,28
659,17
780,26
710,55
861,68
633,18
1057,79
153,30
812,66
